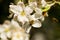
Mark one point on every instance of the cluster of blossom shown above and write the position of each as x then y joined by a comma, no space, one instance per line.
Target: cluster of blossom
24,18
12,31
27,16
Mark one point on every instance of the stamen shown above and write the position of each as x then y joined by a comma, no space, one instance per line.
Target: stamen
22,13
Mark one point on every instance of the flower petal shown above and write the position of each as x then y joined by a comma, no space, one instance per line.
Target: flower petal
9,34
15,9
1,29
28,10
3,36
38,11
42,18
15,24
37,24
33,4
22,19
43,2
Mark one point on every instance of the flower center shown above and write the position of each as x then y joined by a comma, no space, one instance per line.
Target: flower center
6,30
22,13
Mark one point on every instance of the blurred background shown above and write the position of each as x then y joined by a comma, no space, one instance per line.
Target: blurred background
50,29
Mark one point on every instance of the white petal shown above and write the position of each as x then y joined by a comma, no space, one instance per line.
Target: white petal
18,36
37,24
38,11
27,38
3,36
9,34
33,4
31,17
6,26
43,2
1,29
37,15
21,38
15,9
21,4
28,30
22,19
14,38
28,10
15,24
42,18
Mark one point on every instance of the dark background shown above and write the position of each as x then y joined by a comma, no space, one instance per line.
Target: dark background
4,10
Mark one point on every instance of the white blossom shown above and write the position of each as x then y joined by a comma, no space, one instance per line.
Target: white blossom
25,17
18,35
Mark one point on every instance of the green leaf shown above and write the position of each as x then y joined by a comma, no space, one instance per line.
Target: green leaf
46,8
